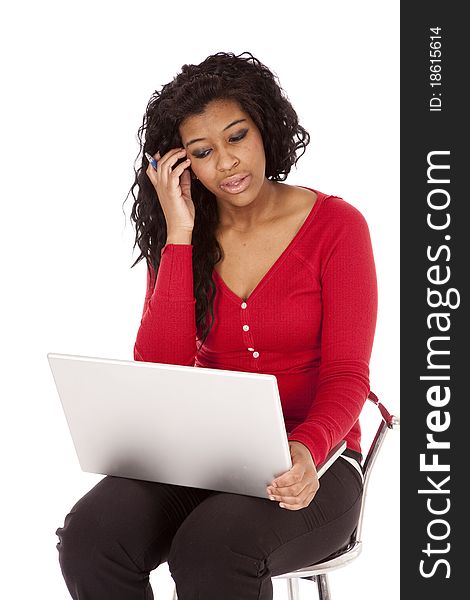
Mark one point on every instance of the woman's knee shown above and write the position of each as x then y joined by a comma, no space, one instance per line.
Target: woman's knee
208,559
89,528
130,522
97,558
78,540
217,535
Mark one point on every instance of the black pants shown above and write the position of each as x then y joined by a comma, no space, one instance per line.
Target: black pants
217,545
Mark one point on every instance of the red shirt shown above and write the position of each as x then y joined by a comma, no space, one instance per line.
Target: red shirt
310,321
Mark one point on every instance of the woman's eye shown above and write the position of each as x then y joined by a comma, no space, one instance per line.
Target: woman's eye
240,136
233,138
201,154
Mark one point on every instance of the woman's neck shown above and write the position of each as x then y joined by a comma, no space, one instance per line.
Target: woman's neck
243,219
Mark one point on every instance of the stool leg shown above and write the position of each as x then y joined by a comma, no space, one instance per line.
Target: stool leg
323,587
293,588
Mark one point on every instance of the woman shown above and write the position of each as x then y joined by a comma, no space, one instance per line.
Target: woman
244,273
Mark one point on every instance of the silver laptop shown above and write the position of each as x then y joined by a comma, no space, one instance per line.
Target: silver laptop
207,428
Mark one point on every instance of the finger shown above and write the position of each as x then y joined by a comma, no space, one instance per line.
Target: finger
291,490
291,477
178,171
297,502
165,169
294,490
185,183
171,157
170,152
309,478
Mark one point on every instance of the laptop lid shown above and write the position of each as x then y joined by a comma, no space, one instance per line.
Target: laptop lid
207,428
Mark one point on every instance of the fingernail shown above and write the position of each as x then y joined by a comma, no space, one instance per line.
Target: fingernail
272,498
282,505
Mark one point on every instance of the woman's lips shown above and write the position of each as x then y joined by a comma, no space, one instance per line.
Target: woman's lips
236,185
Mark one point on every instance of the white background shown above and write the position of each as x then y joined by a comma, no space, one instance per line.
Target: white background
76,78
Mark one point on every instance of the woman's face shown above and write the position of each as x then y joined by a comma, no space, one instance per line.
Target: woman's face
226,151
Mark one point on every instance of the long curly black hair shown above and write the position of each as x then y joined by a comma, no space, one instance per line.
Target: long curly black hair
221,76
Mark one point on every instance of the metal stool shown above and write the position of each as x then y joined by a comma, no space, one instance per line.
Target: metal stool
319,571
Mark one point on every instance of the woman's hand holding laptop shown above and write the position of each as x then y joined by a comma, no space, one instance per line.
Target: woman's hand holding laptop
296,488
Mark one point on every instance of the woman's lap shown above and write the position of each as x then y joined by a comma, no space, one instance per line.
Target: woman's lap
202,532
280,538
140,516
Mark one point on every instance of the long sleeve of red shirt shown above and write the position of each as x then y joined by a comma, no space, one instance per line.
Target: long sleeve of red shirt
310,321
167,332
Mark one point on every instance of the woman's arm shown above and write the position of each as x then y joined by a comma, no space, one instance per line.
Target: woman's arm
349,311
167,332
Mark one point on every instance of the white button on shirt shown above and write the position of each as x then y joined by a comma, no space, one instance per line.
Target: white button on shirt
246,327
243,305
255,354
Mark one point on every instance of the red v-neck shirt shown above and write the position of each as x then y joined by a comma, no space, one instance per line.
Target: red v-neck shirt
310,321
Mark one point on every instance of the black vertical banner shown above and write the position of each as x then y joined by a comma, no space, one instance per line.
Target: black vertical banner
435,259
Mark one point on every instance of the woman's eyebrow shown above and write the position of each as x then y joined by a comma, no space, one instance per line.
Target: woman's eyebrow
224,129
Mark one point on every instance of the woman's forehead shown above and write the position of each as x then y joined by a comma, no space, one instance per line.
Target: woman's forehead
217,115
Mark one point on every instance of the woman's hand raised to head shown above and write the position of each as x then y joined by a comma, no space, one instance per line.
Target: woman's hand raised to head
173,186
296,488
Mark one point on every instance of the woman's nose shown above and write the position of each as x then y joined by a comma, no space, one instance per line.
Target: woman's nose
226,160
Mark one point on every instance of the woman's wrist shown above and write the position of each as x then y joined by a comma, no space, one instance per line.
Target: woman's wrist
180,237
